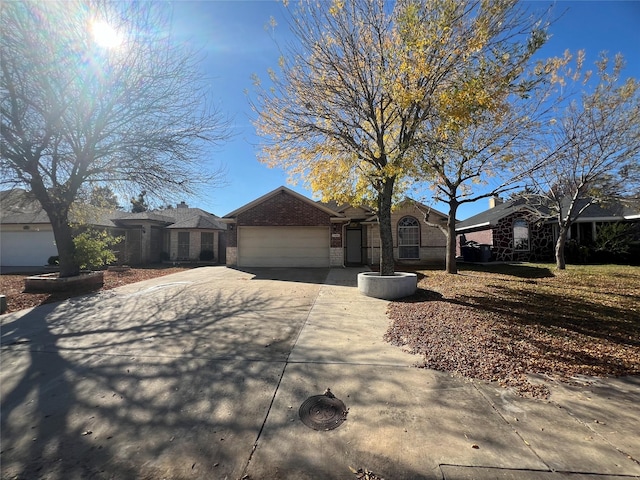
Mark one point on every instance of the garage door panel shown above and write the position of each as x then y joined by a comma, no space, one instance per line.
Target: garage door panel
26,249
283,247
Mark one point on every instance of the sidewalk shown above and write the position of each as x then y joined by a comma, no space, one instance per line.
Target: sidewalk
410,423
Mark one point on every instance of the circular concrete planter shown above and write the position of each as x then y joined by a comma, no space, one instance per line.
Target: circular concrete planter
387,287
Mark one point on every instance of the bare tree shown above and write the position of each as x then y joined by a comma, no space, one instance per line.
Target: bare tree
350,109
98,93
487,151
593,145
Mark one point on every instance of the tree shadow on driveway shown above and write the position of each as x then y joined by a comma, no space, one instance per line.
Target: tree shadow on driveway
301,275
169,384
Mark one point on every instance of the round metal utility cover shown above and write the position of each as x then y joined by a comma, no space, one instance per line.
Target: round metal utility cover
323,412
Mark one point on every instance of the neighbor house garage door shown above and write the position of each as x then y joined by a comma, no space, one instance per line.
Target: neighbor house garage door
283,246
26,249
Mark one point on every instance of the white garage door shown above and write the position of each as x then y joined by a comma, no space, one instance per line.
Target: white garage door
26,249
283,246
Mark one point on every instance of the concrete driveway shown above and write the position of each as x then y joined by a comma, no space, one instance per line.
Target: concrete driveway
199,375
169,378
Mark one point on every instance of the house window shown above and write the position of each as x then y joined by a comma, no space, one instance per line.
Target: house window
183,245
520,235
206,246
408,238
206,241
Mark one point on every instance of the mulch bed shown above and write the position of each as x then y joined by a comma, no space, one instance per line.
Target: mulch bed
12,286
497,328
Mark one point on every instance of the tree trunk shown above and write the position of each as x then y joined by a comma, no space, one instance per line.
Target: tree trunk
386,233
562,240
63,235
451,264
56,204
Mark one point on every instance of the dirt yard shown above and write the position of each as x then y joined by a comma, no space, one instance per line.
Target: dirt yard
504,323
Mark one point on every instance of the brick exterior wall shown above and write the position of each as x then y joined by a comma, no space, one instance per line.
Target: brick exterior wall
195,246
232,236
336,257
336,235
484,237
232,256
541,244
283,209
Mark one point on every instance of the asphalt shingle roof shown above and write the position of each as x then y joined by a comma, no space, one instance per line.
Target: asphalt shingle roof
610,211
18,207
195,218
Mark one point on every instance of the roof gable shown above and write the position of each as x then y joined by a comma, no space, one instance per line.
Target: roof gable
409,202
410,206
277,191
199,222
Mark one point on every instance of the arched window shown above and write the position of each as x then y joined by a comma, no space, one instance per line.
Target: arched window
520,235
408,238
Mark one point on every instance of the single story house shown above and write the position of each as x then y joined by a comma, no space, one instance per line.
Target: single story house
518,230
180,234
171,234
286,229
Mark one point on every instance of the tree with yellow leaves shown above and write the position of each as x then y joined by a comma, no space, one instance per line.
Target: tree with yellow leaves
359,95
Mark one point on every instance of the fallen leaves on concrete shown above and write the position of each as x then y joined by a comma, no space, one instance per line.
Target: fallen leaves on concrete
503,324
364,474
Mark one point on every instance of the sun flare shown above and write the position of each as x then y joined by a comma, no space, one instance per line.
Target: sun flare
105,35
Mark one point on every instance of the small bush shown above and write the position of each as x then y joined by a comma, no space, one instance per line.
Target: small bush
53,261
93,248
206,255
614,242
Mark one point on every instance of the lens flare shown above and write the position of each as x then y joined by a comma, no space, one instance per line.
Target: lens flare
105,35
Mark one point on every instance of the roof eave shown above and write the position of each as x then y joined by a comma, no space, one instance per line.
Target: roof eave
477,226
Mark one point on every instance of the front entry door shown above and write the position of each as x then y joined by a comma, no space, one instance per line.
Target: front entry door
354,246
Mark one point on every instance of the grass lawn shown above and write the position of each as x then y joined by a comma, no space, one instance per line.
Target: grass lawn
504,322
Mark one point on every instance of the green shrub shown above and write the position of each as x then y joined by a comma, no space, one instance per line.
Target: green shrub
614,241
93,248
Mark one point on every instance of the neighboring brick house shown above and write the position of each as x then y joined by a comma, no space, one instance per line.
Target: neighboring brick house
286,229
179,234
515,230
173,234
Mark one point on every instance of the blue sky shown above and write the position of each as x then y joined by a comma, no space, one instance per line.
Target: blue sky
235,43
